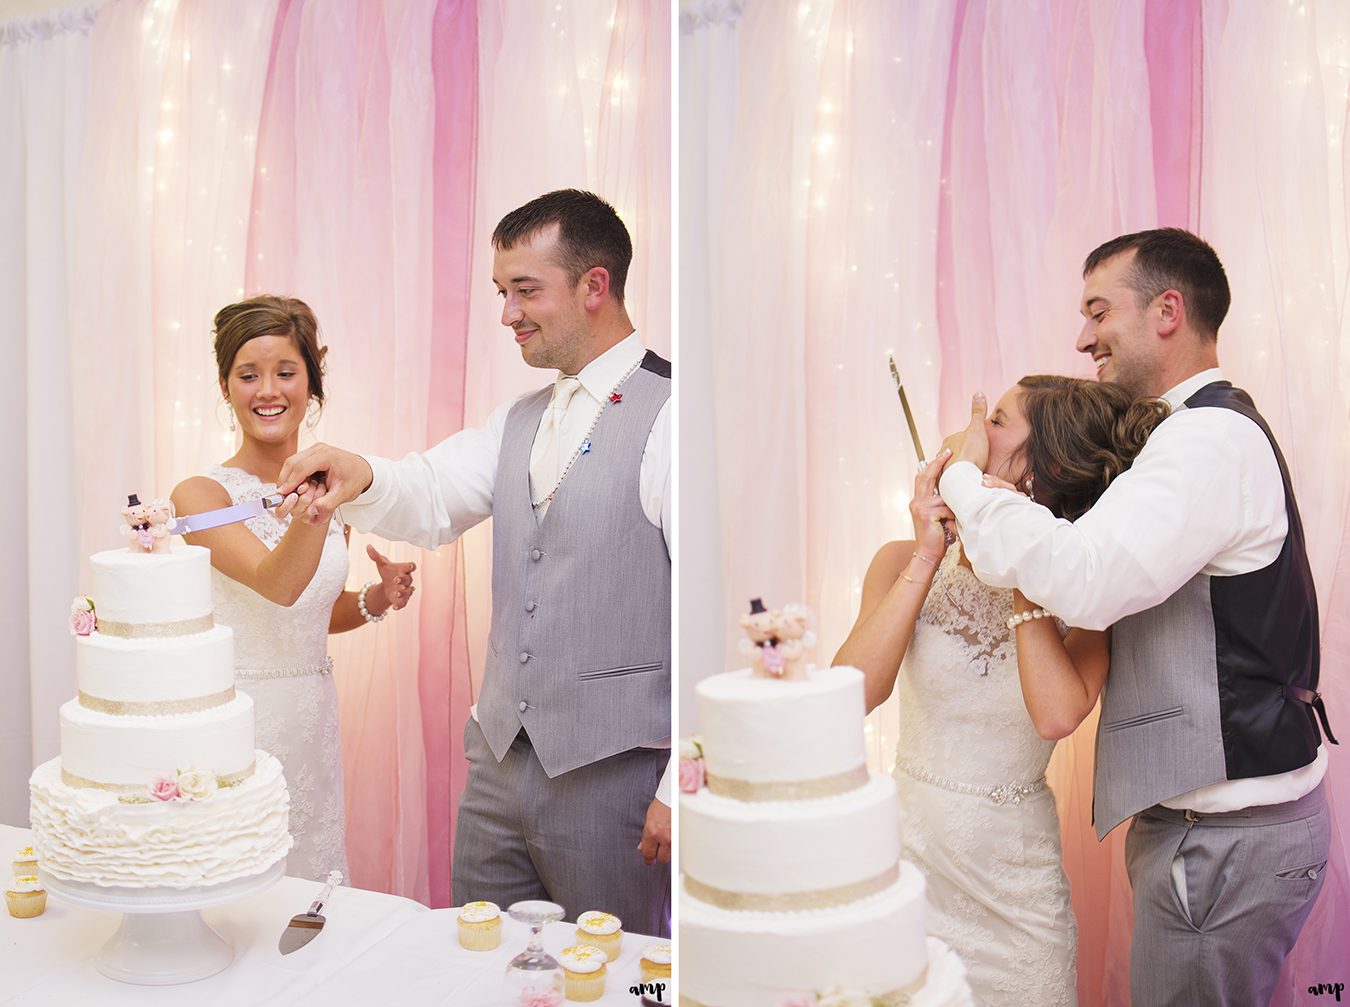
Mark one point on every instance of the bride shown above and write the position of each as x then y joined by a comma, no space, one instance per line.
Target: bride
278,581
982,701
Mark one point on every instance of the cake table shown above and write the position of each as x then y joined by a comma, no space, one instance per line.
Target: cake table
375,948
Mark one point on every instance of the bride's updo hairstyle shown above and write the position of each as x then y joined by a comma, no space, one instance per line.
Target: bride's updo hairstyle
266,315
1082,435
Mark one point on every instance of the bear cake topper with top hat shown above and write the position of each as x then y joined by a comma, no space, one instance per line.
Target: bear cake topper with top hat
777,641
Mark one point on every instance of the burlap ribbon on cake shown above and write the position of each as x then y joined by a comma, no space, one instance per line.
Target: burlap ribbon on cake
787,902
156,708
155,630
71,780
788,790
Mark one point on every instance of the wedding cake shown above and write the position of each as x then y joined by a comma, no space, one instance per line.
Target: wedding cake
158,784
792,885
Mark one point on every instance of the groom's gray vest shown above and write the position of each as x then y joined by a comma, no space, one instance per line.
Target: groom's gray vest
1219,682
579,651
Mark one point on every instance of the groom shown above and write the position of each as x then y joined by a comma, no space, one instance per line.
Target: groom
566,798
1195,557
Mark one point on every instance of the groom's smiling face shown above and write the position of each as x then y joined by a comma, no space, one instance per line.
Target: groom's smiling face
1116,331
541,305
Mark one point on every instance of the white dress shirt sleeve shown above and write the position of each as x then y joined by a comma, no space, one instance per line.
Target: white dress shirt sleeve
1187,499
663,788
654,478
430,498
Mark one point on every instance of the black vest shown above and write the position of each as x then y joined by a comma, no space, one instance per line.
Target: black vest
1266,639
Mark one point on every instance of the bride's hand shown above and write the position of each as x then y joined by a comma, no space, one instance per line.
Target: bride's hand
928,511
994,482
396,578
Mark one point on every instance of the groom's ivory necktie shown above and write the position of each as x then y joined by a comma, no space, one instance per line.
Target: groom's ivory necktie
547,458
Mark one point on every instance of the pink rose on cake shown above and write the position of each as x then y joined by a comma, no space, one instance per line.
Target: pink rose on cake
692,774
163,788
196,785
82,618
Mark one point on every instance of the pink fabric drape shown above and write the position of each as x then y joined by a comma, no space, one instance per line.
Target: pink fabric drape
926,179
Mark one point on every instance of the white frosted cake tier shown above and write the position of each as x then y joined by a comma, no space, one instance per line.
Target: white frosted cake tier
144,589
91,836
749,959
155,676
765,739
821,852
130,751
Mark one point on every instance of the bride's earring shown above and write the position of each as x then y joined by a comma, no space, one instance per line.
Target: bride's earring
312,414
1030,491
230,409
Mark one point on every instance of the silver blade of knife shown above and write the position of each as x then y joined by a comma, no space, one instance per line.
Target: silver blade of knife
225,515
304,927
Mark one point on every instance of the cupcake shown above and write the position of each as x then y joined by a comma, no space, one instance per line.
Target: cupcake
656,962
600,930
480,926
25,863
583,973
25,897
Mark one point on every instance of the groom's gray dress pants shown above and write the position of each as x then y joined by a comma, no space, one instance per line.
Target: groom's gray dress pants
571,839
1249,880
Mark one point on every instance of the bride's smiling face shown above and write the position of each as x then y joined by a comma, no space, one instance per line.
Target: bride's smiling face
268,388
1007,428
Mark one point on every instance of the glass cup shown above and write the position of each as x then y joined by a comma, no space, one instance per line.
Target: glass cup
534,968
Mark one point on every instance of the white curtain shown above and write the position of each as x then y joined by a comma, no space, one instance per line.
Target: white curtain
44,107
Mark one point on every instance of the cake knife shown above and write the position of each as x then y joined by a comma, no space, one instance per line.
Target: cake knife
305,927
909,416
225,515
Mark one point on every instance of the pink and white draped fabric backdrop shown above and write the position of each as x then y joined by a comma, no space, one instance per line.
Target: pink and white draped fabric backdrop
357,156
926,179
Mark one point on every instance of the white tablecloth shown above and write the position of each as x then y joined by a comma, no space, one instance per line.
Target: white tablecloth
375,949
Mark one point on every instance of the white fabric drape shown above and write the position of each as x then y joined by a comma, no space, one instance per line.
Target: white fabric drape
600,122
44,105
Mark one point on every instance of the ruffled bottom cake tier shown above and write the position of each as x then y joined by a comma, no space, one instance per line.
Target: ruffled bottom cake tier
100,837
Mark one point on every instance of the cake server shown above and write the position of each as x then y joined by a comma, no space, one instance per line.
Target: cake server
225,515
305,927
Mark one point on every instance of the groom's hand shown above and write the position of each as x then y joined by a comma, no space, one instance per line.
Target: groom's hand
345,477
972,443
655,845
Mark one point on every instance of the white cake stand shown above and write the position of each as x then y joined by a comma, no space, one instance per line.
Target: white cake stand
163,939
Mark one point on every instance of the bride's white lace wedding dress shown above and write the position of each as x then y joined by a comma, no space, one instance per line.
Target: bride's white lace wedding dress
281,660
975,814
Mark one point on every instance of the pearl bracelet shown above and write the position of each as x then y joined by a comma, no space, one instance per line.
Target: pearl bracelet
361,604
1035,613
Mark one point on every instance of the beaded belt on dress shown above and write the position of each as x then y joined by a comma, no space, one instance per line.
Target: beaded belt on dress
324,667
1003,793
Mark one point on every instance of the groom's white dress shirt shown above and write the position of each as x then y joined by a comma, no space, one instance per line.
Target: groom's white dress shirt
433,497
1204,496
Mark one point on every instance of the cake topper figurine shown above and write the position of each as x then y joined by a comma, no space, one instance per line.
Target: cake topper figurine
777,640
148,525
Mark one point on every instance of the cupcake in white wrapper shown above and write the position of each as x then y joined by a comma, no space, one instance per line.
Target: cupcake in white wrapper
656,961
480,926
583,973
25,897
601,930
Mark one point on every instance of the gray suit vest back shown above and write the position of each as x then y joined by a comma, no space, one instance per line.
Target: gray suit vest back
1218,682
579,649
